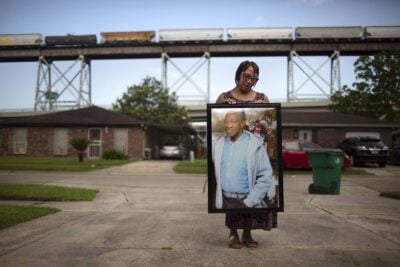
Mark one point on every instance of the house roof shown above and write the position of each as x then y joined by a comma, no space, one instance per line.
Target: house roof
96,116
297,118
90,116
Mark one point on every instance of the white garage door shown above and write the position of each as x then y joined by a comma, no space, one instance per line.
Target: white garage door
370,134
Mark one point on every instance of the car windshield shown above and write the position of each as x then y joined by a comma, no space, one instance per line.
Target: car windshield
291,146
369,143
309,146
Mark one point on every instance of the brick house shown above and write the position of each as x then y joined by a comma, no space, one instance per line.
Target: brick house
328,128
49,134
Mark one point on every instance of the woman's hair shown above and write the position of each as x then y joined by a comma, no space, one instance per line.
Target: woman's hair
243,66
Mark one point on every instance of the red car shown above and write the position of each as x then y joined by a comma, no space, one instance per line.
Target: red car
294,154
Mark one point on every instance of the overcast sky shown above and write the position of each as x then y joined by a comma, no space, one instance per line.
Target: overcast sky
110,78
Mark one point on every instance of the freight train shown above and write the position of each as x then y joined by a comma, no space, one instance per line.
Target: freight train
208,35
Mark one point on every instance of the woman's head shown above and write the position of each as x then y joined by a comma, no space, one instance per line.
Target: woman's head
246,75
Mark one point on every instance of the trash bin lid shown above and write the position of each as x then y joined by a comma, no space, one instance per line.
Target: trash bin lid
331,151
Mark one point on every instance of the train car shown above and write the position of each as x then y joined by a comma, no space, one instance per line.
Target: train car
191,35
382,32
260,34
28,39
128,37
71,40
328,33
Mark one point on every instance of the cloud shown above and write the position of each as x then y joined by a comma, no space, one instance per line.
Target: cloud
259,19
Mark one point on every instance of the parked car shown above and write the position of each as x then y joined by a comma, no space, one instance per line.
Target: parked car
394,154
173,151
365,149
294,154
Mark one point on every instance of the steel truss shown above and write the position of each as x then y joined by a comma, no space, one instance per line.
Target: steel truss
326,89
63,90
203,96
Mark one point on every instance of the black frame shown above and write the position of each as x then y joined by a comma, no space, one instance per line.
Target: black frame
276,158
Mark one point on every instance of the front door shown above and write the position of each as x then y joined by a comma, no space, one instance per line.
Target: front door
94,151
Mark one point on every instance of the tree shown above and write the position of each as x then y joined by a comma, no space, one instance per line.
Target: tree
151,102
376,93
80,144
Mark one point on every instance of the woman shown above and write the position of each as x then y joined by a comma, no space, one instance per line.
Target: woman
246,78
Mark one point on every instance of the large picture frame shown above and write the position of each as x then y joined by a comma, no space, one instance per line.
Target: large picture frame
261,125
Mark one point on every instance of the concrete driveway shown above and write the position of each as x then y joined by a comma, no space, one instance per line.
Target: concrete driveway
146,218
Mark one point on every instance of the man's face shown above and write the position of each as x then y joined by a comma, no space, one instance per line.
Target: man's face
233,125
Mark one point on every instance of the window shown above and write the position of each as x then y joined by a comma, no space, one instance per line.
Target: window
121,140
60,141
291,146
308,147
20,140
305,135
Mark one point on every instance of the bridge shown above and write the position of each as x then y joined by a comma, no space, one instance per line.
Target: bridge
223,49
48,99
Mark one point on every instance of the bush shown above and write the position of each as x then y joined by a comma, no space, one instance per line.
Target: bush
114,154
80,144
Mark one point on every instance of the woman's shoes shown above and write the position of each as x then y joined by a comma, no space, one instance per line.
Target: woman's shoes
234,242
250,242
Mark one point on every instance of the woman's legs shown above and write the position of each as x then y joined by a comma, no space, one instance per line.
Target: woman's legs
234,241
247,239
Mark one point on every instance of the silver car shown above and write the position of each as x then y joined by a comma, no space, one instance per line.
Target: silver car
172,151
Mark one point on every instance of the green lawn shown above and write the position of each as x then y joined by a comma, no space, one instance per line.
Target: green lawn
200,166
12,214
186,166
56,164
45,193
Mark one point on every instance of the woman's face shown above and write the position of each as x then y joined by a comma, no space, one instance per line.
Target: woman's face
247,80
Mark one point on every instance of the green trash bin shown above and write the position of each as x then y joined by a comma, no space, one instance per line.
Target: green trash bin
327,168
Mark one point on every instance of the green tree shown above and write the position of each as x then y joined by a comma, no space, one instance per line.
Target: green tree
151,102
80,144
376,92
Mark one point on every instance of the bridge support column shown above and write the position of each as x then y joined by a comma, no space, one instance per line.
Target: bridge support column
56,89
326,89
202,96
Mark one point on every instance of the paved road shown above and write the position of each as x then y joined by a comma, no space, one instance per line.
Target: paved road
146,215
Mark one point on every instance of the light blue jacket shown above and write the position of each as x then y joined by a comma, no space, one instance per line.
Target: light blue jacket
258,167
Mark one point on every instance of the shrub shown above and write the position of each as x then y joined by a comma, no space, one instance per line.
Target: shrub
114,154
80,144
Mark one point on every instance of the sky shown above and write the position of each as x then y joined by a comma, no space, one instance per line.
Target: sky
111,78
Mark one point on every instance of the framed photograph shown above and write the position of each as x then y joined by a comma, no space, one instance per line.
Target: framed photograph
244,144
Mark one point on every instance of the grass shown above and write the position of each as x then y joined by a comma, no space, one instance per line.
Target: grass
45,193
186,166
395,195
68,164
200,167
12,214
